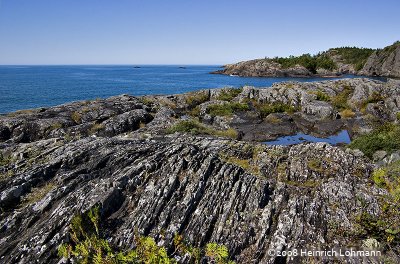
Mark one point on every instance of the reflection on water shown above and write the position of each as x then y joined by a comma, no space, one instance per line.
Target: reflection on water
341,137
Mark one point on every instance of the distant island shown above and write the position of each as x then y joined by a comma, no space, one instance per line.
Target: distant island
334,62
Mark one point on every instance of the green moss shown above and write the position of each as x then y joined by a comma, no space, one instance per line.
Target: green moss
315,165
229,94
398,115
246,164
227,109
385,137
304,184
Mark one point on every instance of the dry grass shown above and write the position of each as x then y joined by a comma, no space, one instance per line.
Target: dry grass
76,117
95,128
37,194
347,113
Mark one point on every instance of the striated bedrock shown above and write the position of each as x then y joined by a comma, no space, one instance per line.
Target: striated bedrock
121,154
384,62
333,62
309,195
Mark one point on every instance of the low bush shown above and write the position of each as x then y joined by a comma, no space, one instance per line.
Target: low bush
385,137
266,109
88,244
321,96
340,100
226,109
229,94
196,128
194,99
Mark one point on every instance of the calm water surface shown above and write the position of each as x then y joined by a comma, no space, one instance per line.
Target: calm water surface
341,137
23,87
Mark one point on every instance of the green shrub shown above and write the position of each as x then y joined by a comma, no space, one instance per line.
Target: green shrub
340,100
386,137
311,63
4,161
229,94
266,109
354,56
87,244
226,109
321,96
398,116
194,99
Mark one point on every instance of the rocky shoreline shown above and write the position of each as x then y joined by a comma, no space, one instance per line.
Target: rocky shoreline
192,165
381,62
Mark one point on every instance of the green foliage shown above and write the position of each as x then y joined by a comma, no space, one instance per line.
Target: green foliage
226,109
229,94
195,112
379,177
194,99
385,227
217,253
266,109
354,56
246,164
388,177
385,137
398,116
312,63
188,126
146,101
88,245
196,128
55,126
389,49
4,161
340,100
321,96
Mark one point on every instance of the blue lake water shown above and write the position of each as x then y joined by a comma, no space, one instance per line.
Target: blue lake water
23,87
341,137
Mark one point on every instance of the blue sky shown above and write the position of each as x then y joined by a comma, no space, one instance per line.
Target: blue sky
187,32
